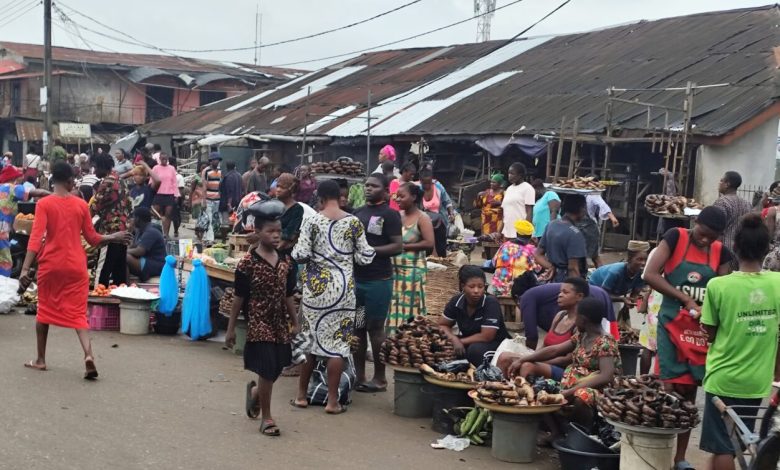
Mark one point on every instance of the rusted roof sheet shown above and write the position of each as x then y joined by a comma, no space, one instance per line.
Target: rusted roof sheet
171,63
526,86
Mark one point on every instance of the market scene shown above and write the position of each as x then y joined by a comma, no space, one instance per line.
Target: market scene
369,238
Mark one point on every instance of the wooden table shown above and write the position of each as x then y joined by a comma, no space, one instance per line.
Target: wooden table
217,272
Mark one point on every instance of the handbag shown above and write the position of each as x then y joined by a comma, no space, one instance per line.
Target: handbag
689,337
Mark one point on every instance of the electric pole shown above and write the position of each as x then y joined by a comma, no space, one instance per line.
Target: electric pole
46,94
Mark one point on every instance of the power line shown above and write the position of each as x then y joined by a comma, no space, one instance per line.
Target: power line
20,14
247,48
9,11
399,40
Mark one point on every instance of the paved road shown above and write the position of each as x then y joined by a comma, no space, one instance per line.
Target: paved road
159,404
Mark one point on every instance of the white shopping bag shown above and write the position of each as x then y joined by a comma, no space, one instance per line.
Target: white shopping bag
514,345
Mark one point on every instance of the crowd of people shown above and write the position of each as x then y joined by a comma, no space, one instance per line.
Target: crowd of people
360,263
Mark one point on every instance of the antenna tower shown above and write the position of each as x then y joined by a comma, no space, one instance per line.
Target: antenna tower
482,7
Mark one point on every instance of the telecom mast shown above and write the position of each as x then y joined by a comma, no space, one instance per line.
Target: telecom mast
486,8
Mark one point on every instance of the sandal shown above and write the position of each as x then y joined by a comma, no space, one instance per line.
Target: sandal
341,409
294,403
684,465
369,387
269,428
34,365
252,410
91,373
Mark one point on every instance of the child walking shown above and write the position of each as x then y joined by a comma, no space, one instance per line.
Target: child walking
264,283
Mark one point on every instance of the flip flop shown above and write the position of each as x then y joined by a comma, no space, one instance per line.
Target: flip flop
295,404
251,403
342,409
369,387
32,365
91,373
684,465
269,428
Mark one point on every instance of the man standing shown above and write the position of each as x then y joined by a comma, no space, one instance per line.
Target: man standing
231,190
212,179
734,206
561,250
257,180
374,282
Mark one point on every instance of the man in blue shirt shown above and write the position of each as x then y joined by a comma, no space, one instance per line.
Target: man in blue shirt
146,257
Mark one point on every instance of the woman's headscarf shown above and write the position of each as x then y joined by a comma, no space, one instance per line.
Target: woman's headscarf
498,178
389,152
524,228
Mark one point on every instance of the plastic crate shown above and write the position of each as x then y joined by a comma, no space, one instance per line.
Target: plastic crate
103,317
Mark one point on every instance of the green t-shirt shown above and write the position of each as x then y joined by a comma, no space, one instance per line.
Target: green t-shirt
744,307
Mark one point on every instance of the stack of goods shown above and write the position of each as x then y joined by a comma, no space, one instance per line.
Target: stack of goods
660,204
520,393
416,343
642,401
455,371
338,168
586,183
476,425
629,336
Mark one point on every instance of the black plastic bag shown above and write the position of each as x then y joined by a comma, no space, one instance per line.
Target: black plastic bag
486,372
461,365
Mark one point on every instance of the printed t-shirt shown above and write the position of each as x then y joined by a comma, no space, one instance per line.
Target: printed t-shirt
486,315
744,307
380,223
516,197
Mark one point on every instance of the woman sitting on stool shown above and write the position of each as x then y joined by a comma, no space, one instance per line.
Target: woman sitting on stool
478,316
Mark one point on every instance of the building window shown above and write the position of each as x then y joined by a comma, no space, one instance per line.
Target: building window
159,103
207,97
16,97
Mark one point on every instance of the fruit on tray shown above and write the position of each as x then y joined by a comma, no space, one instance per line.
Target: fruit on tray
346,168
580,182
519,392
21,216
662,204
642,401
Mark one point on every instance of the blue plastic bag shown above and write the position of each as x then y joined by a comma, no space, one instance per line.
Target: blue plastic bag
169,288
196,319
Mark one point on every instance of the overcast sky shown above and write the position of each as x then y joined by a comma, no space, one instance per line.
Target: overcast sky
208,24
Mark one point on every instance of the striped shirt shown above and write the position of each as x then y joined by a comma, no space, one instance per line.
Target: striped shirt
213,179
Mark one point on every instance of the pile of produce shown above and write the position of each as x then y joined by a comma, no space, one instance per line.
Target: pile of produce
629,336
476,425
21,216
520,392
416,343
338,168
642,401
102,291
661,204
580,182
455,371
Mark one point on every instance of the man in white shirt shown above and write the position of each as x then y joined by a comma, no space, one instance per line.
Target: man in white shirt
32,164
519,200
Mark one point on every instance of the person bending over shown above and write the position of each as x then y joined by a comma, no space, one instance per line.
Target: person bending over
478,316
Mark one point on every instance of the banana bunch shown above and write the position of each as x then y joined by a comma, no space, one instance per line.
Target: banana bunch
476,426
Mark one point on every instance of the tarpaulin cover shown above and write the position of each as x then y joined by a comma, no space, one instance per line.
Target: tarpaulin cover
497,145
196,321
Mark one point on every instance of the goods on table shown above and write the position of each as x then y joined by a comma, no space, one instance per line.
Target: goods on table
661,204
102,291
642,401
416,343
519,392
476,425
628,336
579,182
339,168
133,292
466,376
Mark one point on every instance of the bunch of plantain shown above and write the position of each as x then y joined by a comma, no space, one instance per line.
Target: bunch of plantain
417,342
661,204
338,168
580,182
476,426
642,401
519,392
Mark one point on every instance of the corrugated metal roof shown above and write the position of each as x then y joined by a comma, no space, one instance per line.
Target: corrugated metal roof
498,88
171,63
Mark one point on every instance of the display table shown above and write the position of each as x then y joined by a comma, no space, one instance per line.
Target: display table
217,272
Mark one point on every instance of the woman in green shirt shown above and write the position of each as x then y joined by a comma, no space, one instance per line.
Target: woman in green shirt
740,315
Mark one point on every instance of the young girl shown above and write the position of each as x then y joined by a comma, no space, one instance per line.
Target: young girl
265,279
477,315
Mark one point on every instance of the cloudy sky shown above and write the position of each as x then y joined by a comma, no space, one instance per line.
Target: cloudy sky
206,24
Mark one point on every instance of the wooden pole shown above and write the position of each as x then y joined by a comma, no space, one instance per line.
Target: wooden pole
559,155
573,160
548,167
305,124
368,137
608,146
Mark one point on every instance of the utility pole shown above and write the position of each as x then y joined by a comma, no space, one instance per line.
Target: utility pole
368,137
46,92
258,23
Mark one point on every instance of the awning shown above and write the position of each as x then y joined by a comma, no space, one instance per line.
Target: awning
126,143
497,145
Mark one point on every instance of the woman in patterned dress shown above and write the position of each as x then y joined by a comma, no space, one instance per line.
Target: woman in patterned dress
490,203
410,268
330,243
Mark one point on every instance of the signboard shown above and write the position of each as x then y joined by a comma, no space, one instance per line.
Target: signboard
75,130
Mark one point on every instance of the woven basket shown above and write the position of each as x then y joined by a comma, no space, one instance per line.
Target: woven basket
440,286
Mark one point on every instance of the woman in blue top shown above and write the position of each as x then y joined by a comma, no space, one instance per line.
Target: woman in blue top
545,210
623,280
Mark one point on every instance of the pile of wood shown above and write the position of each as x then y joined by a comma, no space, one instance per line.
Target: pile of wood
338,168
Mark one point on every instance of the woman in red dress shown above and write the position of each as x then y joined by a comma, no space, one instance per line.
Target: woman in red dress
63,281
